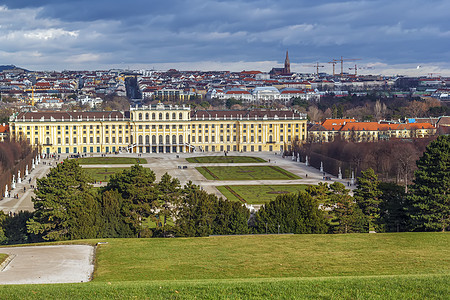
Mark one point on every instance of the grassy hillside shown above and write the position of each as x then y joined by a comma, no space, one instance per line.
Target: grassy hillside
380,287
356,266
265,256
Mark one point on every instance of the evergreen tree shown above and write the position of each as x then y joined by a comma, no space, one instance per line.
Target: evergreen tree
429,196
231,217
16,229
169,191
291,213
84,216
393,207
320,192
116,216
367,195
195,212
65,204
3,237
138,190
346,212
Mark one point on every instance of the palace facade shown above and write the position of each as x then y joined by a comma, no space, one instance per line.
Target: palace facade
160,129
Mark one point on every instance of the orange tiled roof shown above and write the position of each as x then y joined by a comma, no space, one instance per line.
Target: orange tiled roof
368,126
334,122
4,128
375,126
416,126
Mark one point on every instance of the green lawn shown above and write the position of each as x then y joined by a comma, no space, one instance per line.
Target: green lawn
3,257
102,174
225,159
151,223
433,287
273,256
352,266
246,173
111,160
257,194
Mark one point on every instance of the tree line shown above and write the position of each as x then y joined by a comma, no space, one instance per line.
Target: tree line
11,152
68,206
392,160
372,107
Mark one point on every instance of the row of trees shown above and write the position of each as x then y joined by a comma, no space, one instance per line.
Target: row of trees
11,152
67,206
393,160
424,207
372,107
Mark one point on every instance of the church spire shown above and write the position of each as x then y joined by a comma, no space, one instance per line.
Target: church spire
287,64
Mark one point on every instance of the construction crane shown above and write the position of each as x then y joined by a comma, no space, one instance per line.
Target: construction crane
317,66
341,60
32,101
361,68
334,62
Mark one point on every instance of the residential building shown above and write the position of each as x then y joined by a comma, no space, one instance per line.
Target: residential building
4,129
349,129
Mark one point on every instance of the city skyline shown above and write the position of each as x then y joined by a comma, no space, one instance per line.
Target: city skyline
389,38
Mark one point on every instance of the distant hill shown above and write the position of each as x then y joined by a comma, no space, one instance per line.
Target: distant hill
10,67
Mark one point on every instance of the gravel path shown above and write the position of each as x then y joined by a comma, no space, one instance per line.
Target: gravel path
47,264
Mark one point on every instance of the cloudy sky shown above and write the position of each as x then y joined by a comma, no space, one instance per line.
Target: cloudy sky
388,36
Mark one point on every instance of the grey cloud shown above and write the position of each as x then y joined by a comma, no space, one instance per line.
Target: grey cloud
140,31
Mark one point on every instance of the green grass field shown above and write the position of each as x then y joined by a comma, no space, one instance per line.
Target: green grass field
102,174
3,257
378,287
257,194
111,160
225,159
246,173
352,266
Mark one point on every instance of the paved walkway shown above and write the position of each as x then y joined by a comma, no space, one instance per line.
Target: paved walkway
47,264
24,190
169,162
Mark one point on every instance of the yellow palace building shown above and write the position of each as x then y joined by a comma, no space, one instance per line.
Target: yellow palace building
160,129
